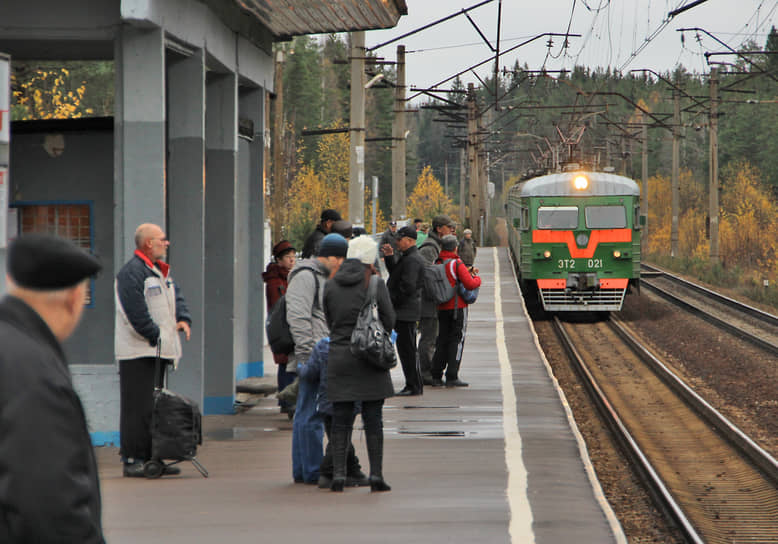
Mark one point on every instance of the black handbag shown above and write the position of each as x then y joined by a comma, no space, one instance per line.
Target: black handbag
369,340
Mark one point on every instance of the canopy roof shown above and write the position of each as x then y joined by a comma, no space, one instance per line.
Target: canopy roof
287,18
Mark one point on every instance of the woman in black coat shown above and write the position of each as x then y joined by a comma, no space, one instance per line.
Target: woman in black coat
349,379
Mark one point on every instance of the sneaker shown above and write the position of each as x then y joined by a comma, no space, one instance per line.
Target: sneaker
133,470
456,383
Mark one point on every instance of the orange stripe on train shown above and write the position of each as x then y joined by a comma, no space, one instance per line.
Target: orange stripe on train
561,283
567,237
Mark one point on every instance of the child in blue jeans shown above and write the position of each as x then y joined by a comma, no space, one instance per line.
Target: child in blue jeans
314,412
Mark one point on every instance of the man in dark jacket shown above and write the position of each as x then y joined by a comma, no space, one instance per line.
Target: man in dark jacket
467,249
428,324
406,276
49,489
311,245
390,235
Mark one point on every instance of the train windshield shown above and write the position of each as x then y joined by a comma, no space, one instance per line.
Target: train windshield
558,217
606,217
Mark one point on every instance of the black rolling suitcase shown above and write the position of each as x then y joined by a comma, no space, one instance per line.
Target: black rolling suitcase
176,429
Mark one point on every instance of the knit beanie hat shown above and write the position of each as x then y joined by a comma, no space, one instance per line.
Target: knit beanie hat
363,248
449,242
333,245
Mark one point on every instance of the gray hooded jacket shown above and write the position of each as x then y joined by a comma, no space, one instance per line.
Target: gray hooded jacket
306,318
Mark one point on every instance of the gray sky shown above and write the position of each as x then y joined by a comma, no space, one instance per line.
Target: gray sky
610,35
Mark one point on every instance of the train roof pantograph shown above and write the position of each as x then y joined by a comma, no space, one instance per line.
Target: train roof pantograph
563,184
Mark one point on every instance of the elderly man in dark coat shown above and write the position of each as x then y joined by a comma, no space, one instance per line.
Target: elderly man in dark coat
49,490
349,379
406,277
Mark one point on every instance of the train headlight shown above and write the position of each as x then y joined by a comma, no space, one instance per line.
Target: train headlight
580,183
617,254
547,254
582,240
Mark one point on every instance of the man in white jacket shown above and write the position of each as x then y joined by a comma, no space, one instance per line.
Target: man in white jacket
149,313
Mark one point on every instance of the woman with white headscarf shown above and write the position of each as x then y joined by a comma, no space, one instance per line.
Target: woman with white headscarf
349,379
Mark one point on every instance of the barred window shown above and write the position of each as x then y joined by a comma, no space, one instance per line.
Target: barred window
66,220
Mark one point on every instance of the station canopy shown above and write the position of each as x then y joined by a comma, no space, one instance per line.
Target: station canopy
287,18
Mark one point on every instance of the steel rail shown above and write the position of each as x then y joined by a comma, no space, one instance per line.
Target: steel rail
709,317
758,456
657,488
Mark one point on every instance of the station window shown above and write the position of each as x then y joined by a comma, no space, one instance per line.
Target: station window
606,217
67,220
558,217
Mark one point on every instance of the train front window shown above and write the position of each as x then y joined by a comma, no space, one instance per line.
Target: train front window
558,217
606,217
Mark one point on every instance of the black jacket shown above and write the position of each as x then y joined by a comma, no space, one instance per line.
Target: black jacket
49,490
312,243
406,277
349,378
429,252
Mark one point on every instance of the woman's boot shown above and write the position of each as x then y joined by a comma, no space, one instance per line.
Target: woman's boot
340,436
375,453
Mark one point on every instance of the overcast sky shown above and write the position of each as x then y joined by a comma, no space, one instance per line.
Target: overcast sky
611,32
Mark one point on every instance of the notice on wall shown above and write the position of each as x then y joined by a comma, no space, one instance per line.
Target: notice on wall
5,101
5,140
3,206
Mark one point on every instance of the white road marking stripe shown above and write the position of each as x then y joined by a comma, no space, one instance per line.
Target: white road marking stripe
520,527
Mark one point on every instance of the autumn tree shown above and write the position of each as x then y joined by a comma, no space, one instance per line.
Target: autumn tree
428,199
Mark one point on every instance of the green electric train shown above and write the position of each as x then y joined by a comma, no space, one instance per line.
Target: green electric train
575,237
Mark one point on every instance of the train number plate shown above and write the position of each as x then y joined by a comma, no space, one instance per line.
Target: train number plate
569,264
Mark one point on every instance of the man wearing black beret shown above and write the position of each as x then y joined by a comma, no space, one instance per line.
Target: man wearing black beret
406,271
49,489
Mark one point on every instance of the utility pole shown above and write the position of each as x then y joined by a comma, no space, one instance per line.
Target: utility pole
398,138
279,183
472,160
356,185
445,177
644,176
462,178
676,193
714,166
375,204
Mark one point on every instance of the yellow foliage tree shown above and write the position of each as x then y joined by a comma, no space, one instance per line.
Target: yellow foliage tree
428,199
323,185
48,94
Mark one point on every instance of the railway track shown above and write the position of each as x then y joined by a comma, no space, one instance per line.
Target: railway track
714,482
753,325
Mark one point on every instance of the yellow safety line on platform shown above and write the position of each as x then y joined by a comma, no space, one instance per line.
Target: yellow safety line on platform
520,527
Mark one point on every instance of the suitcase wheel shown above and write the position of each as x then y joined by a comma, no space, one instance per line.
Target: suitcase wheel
153,469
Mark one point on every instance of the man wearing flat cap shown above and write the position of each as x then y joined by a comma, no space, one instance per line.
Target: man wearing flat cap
150,311
406,276
311,245
442,225
390,235
49,489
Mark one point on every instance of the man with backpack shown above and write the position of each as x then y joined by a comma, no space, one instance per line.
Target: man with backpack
451,317
442,225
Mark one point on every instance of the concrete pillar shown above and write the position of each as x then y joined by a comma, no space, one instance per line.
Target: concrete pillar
221,144
139,147
250,297
186,208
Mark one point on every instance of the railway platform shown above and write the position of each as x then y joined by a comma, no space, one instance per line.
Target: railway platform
499,461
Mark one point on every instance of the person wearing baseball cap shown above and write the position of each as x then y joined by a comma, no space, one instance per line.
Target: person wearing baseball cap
428,324
50,486
311,245
406,274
